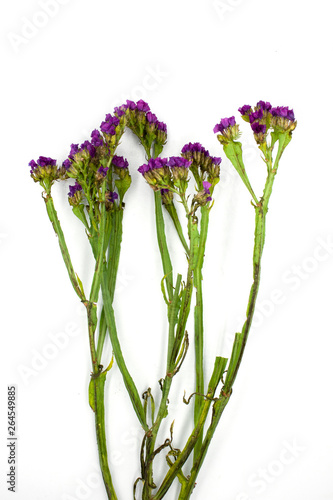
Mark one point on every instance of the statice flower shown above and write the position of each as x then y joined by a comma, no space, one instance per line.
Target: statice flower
75,194
44,170
110,198
144,124
88,147
227,129
119,162
283,119
157,173
264,117
245,110
96,138
202,197
202,163
101,173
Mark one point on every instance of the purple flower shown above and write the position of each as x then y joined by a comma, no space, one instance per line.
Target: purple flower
162,126
44,161
265,106
120,110
144,168
74,189
224,124
152,164
130,104
178,161
96,138
258,128
142,106
157,162
194,147
108,128
256,115
103,171
74,150
33,165
151,118
111,196
283,112
89,147
67,164
216,160
119,161
206,185
244,110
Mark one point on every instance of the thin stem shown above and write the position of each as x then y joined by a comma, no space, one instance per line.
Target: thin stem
171,209
52,213
111,325
113,263
198,323
219,367
240,339
162,244
98,383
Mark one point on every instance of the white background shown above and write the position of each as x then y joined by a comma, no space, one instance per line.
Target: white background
64,66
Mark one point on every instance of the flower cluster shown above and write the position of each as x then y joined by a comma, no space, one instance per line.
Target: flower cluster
90,164
170,175
144,124
45,171
203,165
263,117
167,175
228,130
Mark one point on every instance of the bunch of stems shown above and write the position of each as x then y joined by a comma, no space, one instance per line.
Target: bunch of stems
104,229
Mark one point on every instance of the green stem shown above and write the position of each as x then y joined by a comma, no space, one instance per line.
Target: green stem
98,383
52,213
113,264
240,339
219,367
174,346
162,244
111,325
171,209
198,323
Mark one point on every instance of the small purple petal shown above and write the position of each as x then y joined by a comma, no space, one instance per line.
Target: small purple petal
119,161
96,138
151,118
265,106
142,106
244,109
258,128
66,164
74,189
108,128
74,149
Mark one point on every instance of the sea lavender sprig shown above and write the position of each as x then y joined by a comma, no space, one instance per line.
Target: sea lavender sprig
151,132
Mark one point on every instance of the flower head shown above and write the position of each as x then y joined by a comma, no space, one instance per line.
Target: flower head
96,138
119,161
202,163
228,130
110,198
87,146
202,197
245,110
44,171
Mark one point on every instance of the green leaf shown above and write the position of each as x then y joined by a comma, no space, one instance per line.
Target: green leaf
234,153
79,212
